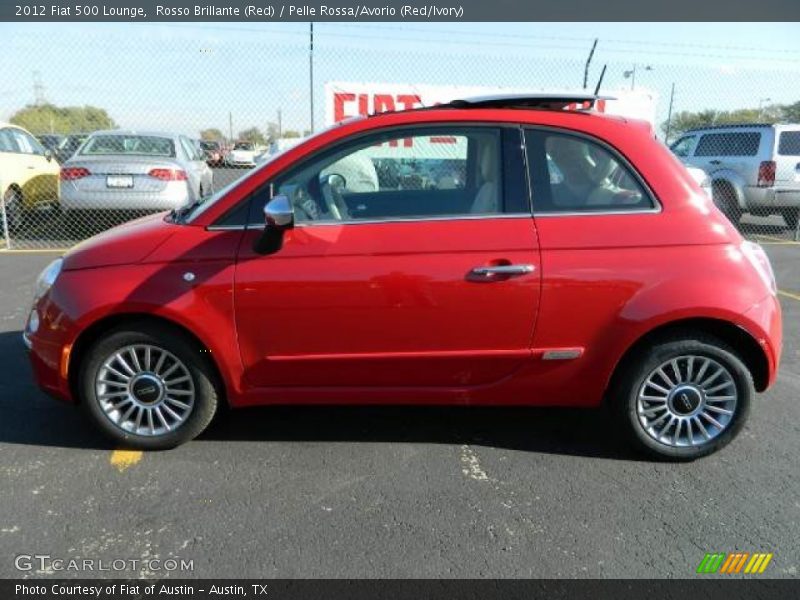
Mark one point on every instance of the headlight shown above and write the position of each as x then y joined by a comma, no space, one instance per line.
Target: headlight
47,278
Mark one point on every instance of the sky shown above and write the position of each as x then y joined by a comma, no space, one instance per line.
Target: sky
189,76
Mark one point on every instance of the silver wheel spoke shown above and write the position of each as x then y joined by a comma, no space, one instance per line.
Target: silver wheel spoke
702,370
665,377
124,364
178,403
677,405
720,398
114,383
146,390
719,387
658,387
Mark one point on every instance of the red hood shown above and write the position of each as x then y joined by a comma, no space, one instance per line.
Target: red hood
128,243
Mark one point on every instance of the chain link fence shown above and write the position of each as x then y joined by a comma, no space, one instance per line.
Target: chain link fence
247,91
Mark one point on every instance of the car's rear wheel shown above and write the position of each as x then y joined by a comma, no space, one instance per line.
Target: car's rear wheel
148,387
725,198
791,216
684,397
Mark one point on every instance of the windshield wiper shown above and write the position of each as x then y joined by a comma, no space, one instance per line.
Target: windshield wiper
179,214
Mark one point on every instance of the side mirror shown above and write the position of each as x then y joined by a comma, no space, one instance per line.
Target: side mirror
48,154
278,217
278,213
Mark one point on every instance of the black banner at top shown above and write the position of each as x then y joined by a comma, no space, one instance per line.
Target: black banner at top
398,10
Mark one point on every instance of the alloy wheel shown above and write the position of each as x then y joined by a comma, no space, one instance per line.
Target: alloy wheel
145,390
687,401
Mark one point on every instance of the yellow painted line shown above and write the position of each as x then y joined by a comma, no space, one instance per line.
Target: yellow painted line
789,295
124,459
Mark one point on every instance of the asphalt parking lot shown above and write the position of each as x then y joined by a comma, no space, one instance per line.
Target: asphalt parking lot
392,492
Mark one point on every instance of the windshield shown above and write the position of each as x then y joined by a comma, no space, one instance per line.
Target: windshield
199,207
139,145
243,146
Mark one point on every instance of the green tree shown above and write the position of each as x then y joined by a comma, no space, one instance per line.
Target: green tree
254,135
291,133
791,113
212,134
48,118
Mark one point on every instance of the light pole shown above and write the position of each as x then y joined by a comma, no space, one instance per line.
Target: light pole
632,74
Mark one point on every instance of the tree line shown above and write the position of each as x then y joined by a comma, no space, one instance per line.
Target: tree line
774,113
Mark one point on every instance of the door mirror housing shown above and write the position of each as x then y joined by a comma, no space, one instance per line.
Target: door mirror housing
48,154
279,213
278,217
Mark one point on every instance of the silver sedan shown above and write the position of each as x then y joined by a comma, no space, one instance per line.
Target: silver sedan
133,170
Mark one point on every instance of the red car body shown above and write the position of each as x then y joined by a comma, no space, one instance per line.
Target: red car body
383,312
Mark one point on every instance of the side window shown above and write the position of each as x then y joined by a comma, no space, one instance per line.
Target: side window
413,173
26,143
188,148
737,143
684,146
571,174
8,143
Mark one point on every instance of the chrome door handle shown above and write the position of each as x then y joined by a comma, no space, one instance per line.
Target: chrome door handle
502,270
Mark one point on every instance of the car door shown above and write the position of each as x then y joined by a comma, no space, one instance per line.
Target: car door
428,291
13,169
37,175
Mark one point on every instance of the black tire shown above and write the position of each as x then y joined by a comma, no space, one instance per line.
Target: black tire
631,376
16,216
206,386
725,199
791,216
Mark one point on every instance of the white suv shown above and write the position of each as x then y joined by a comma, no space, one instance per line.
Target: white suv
753,168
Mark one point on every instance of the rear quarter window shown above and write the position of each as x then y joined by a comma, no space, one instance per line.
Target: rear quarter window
789,143
736,143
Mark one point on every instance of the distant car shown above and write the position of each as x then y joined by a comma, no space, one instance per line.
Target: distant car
50,141
243,154
28,175
68,145
213,153
132,170
753,168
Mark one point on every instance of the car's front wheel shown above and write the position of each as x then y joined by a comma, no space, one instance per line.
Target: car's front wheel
684,397
148,387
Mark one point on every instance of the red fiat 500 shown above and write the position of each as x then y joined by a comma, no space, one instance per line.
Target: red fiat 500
497,251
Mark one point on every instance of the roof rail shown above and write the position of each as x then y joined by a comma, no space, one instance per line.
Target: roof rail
540,101
739,125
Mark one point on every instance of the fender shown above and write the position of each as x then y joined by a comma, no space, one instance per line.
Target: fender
736,181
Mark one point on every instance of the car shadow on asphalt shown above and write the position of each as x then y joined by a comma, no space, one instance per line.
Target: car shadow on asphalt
29,417
572,432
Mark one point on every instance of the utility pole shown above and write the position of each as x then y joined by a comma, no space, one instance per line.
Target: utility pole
669,113
38,89
586,68
311,70
280,125
230,126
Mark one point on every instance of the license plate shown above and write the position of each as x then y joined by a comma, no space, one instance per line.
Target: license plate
119,181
